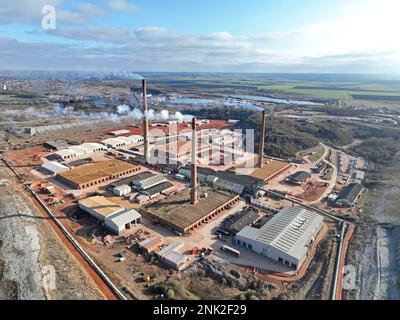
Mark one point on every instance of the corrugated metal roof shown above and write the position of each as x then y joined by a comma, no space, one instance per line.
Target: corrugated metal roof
124,217
159,188
247,219
248,232
54,167
350,192
151,181
287,231
230,186
81,149
101,205
175,246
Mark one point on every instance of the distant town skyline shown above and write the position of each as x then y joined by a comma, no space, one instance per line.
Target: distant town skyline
290,36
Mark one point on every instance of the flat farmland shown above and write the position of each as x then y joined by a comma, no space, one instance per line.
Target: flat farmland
344,91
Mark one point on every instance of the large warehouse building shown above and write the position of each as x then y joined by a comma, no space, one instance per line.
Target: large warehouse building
90,175
114,217
286,238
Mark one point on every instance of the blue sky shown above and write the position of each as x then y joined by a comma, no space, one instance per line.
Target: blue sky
241,17
354,36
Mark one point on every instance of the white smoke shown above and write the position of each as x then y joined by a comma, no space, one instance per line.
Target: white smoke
123,111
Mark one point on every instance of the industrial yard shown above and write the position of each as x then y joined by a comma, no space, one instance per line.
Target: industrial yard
177,152
157,202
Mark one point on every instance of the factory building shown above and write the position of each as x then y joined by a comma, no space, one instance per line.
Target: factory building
225,180
55,145
223,138
131,180
151,244
58,127
114,217
270,169
82,150
171,167
93,174
164,188
349,195
359,177
149,184
53,168
122,190
299,178
286,238
171,258
119,132
247,219
123,141
177,150
147,180
179,214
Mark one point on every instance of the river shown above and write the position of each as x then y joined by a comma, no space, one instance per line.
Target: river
276,100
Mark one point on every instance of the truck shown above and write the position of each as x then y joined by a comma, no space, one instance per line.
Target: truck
231,251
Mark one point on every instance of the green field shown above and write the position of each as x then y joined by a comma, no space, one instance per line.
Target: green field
304,87
328,175
317,155
343,91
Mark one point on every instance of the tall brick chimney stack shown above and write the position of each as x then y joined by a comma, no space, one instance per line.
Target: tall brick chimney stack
194,192
262,139
145,123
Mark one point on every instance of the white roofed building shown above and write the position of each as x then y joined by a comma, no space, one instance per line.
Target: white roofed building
123,141
149,181
119,132
54,168
80,151
122,190
172,258
286,238
113,216
123,220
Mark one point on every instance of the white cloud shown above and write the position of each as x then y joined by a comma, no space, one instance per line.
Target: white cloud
363,39
121,5
104,34
29,11
372,25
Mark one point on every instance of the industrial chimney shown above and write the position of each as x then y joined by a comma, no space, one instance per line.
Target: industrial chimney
193,195
262,138
145,123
